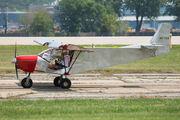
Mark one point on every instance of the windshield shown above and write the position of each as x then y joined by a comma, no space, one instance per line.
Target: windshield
49,50
50,53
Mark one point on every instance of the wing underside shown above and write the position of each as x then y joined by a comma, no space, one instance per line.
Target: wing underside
51,43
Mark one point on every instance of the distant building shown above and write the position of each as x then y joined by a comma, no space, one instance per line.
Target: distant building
152,23
13,20
39,7
131,18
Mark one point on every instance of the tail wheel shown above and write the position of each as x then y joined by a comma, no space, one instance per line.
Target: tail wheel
25,84
57,81
65,83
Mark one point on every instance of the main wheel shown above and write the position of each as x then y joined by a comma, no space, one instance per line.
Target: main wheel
65,83
57,81
26,85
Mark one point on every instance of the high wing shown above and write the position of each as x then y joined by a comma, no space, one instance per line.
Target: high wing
51,43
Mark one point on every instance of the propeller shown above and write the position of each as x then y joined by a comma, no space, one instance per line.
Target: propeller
16,70
16,61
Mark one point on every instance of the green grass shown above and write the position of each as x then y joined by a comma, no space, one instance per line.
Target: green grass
95,109
167,63
7,52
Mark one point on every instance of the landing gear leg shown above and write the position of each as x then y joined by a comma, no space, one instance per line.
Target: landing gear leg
27,82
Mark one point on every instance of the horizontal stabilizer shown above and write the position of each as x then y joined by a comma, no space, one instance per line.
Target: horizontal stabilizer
151,46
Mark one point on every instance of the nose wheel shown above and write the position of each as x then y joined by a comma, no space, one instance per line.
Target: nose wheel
27,82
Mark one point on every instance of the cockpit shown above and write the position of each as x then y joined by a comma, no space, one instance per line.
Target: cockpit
51,55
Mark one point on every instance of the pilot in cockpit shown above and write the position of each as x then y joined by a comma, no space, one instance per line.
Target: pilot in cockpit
62,61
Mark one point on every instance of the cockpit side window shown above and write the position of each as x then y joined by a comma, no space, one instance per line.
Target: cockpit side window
55,53
47,54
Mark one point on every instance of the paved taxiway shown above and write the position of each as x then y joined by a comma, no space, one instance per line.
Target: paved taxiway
85,40
93,86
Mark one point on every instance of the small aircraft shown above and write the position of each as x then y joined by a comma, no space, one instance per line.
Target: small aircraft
82,59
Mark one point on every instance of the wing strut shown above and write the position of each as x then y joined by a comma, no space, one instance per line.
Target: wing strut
74,61
64,60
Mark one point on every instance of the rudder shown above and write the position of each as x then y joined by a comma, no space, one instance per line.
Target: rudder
162,37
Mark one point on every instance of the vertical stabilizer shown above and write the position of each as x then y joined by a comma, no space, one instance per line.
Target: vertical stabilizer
162,37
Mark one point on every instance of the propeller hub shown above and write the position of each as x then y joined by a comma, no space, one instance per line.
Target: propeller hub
13,60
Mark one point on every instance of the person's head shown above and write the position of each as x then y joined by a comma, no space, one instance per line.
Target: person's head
64,53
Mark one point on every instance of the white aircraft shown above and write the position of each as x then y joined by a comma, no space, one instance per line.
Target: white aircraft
82,59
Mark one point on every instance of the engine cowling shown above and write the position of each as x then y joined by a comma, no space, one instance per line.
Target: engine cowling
26,63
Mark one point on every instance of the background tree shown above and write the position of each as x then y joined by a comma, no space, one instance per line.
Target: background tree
116,5
26,19
111,23
149,9
22,5
42,22
4,18
173,8
71,14
92,17
82,16
123,27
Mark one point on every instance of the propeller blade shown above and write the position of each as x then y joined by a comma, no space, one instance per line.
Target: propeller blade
15,50
16,70
15,62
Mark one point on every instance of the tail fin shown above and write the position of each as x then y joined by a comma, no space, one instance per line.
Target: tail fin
162,37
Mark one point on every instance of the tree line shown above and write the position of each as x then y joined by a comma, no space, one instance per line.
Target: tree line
101,15
22,5
97,15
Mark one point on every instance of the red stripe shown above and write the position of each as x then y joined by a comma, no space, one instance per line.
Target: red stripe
60,46
66,74
44,43
65,46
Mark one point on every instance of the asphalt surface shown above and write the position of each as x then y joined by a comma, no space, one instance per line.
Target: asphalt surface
93,86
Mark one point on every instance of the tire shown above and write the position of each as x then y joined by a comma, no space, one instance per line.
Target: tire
24,85
57,81
65,83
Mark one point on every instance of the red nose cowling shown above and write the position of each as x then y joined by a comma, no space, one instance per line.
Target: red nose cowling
26,63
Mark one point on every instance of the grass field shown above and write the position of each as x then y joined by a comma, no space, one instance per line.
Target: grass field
166,63
91,109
